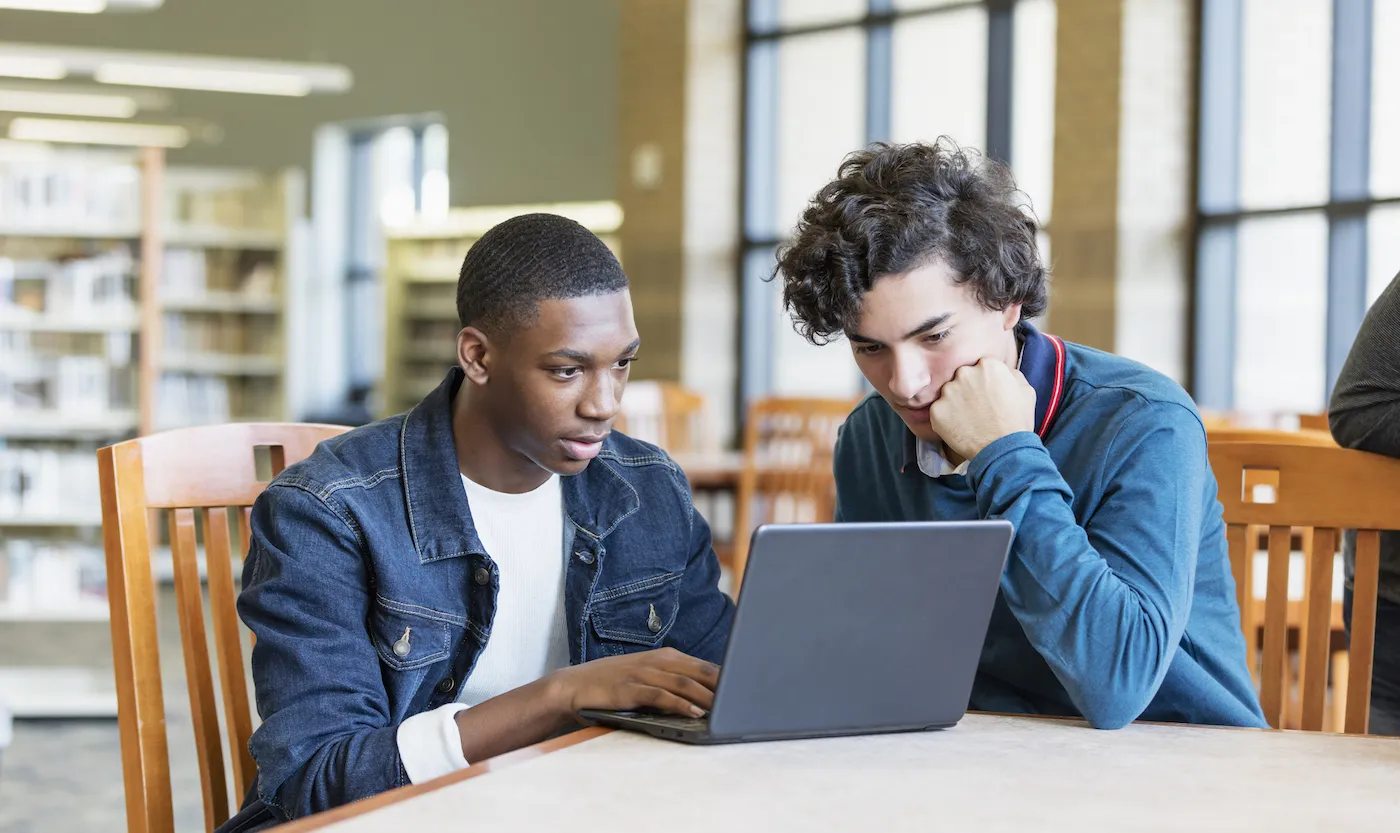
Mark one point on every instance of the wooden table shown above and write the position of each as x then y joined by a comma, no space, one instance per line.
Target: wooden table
990,773
712,472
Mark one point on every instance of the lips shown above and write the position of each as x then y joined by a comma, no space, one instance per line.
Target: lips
917,414
585,447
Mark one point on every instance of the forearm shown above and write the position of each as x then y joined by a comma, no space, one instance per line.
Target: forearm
1109,641
514,720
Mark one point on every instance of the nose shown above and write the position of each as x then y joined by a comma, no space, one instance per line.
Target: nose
602,397
909,376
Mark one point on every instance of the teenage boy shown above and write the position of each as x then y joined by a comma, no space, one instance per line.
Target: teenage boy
1117,601
458,581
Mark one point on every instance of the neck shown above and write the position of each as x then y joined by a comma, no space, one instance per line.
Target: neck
482,455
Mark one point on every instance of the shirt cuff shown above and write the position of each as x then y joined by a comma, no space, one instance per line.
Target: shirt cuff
429,744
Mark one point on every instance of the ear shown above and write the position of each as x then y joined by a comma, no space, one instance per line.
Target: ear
474,354
1010,317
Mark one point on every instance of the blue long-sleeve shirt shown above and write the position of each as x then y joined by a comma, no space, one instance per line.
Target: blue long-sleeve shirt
1117,602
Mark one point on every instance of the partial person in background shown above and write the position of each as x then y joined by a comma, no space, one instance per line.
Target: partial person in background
456,582
1117,602
1365,414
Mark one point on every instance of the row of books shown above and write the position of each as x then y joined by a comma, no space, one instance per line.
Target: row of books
48,482
63,191
50,575
90,289
64,385
192,273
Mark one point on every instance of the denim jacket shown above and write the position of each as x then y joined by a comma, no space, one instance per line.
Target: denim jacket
371,535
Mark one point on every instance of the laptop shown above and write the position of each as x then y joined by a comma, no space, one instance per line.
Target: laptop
846,629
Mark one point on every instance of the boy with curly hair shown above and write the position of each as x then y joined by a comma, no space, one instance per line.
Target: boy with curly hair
1117,601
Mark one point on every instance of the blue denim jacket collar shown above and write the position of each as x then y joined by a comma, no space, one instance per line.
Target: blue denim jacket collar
440,521
1043,364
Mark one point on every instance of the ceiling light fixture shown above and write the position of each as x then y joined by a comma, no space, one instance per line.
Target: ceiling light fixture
74,6
203,78
67,104
24,66
99,132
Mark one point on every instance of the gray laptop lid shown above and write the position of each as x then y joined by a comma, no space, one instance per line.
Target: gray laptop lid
859,627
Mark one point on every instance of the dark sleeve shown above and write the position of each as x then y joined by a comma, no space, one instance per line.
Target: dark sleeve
326,738
710,612
1365,408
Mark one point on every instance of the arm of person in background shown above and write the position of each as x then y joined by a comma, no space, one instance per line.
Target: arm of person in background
1365,408
327,736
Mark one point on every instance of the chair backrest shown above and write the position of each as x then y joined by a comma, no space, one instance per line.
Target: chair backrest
667,415
1314,422
1325,490
193,473
787,473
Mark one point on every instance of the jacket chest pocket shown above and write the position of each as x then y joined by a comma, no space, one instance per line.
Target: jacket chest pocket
408,637
638,615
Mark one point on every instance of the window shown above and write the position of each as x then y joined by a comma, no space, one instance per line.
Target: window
825,78
1299,196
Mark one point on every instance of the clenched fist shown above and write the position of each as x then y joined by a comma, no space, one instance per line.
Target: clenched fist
982,403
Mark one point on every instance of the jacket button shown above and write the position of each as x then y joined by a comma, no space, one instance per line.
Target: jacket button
446,686
483,576
586,556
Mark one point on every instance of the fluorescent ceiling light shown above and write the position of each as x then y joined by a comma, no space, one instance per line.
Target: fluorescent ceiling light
203,78
77,6
67,104
99,132
23,66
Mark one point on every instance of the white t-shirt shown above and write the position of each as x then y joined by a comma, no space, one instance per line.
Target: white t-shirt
524,535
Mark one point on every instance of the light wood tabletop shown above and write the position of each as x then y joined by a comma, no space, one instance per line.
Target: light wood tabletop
990,773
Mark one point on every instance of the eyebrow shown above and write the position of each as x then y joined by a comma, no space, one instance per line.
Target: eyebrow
932,323
586,358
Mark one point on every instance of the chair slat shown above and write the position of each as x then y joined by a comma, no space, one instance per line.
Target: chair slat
1273,691
189,601
1363,631
1317,629
1241,568
233,683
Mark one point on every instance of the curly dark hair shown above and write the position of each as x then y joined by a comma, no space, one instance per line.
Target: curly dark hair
893,208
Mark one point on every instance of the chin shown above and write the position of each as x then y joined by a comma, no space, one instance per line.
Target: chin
919,429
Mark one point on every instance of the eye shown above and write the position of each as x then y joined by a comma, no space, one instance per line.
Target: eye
869,349
623,364
934,338
565,372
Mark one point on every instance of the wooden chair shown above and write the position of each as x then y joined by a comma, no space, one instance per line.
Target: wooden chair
194,473
1314,422
668,415
787,474
1325,489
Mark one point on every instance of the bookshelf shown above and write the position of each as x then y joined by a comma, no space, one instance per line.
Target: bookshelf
133,298
420,290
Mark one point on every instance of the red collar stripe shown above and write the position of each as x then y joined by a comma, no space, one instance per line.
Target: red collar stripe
1055,392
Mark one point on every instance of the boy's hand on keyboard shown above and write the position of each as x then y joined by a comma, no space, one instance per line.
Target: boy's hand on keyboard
666,680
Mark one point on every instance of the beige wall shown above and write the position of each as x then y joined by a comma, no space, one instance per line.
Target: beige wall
528,88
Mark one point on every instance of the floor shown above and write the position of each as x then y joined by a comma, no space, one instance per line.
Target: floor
64,776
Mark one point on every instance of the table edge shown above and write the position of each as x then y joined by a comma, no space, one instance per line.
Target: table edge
408,791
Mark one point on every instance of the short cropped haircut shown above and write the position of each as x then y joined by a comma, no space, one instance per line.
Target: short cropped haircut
529,259
893,208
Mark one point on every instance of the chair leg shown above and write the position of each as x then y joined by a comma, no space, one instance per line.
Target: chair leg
1341,666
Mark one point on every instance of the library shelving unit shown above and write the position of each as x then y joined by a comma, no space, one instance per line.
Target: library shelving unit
420,290
133,297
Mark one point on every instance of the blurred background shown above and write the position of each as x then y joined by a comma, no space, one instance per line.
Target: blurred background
254,210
